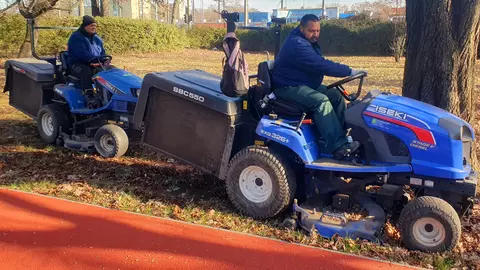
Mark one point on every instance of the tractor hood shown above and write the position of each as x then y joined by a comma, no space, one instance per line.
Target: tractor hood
120,81
421,116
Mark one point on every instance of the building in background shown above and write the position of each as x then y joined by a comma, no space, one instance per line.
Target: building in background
397,14
295,15
257,19
346,15
280,13
134,9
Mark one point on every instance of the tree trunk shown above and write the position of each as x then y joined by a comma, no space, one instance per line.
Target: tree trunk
32,9
105,8
95,8
81,7
478,50
26,48
168,13
442,39
175,9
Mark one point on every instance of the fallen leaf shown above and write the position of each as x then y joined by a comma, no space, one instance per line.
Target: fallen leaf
72,178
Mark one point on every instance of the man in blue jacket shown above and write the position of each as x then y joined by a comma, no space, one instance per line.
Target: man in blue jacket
83,45
297,78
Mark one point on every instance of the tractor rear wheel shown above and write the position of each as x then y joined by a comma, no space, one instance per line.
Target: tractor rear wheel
111,141
429,224
49,119
260,183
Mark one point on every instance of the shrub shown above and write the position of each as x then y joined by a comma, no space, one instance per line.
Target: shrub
12,29
119,35
206,37
355,36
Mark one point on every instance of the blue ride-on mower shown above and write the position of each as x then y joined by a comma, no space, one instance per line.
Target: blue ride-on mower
90,120
412,169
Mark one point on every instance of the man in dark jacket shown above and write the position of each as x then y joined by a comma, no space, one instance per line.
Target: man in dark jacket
83,45
297,77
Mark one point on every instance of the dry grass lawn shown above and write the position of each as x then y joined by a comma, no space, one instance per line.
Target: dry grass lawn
149,183
384,73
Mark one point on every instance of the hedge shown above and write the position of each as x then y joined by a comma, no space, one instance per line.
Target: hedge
337,37
119,35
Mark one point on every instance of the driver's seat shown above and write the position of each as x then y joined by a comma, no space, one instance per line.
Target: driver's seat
64,69
279,107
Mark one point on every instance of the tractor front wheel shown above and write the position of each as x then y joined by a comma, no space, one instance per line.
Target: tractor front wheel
260,183
111,141
429,224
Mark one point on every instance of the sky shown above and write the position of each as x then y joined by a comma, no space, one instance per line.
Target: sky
269,5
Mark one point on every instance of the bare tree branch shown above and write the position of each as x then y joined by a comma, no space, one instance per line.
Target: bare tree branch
34,8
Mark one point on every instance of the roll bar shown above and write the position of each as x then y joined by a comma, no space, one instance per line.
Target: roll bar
31,24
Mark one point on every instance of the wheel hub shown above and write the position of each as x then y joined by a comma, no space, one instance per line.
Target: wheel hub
255,184
429,228
106,142
429,232
47,124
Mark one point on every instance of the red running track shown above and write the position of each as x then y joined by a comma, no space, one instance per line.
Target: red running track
39,232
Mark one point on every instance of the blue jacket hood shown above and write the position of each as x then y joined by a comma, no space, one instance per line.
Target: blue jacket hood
300,62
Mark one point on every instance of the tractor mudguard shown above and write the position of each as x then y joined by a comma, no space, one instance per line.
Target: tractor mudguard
303,142
73,96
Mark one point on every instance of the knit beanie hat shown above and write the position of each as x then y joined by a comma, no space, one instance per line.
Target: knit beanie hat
87,20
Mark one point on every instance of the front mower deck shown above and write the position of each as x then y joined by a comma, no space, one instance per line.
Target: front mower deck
328,223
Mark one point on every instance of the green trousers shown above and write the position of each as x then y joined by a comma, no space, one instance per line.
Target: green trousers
328,107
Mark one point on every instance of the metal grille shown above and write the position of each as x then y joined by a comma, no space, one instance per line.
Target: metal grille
120,106
131,107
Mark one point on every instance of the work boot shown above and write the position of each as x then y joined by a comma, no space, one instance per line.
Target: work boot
346,149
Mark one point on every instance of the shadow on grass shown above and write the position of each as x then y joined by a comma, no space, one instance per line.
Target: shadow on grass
158,180
142,172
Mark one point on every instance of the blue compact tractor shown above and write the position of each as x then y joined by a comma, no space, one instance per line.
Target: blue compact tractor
96,119
413,166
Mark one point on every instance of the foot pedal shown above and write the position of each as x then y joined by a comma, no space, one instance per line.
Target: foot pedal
355,162
341,202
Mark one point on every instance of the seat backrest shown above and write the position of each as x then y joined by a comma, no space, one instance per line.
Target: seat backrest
265,76
63,62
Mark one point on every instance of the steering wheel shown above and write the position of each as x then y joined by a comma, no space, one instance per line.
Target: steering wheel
100,60
339,86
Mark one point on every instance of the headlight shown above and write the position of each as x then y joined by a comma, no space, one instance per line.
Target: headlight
135,92
466,134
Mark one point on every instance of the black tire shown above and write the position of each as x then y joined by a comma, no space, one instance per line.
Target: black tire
49,119
282,184
111,141
437,215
